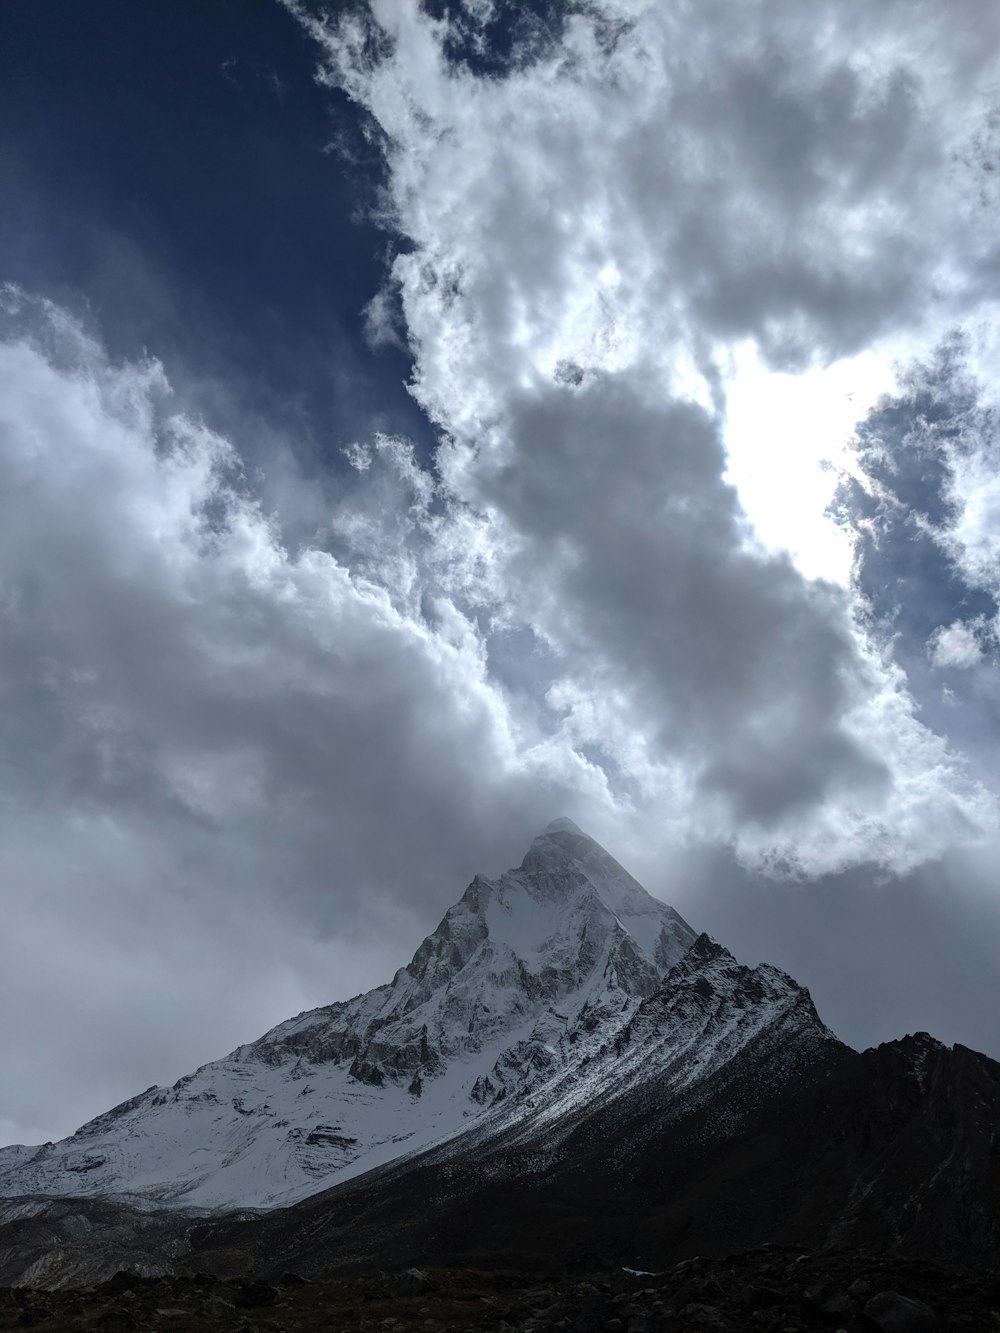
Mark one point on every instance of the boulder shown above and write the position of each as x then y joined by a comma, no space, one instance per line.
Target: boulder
893,1313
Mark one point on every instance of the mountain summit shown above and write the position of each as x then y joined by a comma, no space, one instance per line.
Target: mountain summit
502,997
562,825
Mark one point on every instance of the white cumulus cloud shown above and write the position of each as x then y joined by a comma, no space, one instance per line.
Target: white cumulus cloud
589,235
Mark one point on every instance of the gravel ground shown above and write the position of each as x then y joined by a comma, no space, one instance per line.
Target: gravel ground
776,1290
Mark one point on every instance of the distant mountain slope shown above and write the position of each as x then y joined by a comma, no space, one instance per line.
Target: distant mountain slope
523,976
796,1139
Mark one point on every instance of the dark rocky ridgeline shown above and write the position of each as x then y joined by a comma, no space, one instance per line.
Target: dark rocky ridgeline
895,1149
773,1289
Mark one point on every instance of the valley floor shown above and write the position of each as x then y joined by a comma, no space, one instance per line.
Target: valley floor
775,1290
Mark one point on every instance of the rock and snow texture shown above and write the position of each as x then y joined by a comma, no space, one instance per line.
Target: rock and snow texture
706,1019
523,981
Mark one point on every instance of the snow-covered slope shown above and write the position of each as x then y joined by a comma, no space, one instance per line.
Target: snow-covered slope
710,1017
514,994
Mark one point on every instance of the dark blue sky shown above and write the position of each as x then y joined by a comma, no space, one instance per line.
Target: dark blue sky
165,168
912,585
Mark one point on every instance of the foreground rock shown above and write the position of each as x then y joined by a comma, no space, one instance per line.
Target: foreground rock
772,1289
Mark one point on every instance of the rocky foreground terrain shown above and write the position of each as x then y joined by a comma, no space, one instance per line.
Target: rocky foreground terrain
773,1289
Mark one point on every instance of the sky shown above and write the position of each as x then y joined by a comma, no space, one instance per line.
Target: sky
418,422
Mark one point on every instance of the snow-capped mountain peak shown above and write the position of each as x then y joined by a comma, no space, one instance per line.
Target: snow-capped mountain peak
562,825
560,1032
526,983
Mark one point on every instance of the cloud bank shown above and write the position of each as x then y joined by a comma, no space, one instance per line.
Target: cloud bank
233,746
206,738
590,233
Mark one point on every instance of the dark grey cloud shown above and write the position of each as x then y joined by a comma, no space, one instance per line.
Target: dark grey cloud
587,236
635,552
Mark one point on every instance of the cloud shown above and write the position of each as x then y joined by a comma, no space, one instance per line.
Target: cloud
205,736
635,565
955,645
656,178
589,233
919,500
